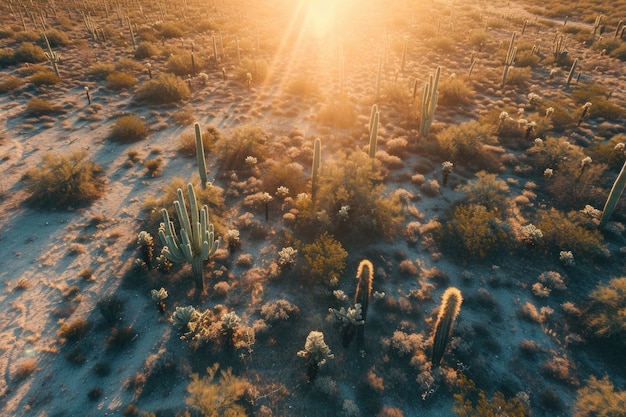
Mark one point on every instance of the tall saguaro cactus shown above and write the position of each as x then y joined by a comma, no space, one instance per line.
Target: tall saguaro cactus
196,242
200,156
614,196
315,172
374,117
365,276
450,307
429,102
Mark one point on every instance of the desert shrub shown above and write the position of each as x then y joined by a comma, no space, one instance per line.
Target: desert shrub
488,191
607,45
474,232
478,38
129,128
100,70
605,318
60,181
39,107
30,53
7,57
120,81
325,260
145,50
518,77
465,143
166,88
279,310
181,65
55,37
75,330
169,30
563,116
471,401
353,182
154,166
574,185
25,369
217,398
303,85
619,53
339,112
128,65
611,152
44,78
589,91
454,91
552,152
185,116
6,33
396,93
187,141
526,59
599,398
259,69
27,36
244,141
560,232
443,44
607,109
120,337
277,173
111,308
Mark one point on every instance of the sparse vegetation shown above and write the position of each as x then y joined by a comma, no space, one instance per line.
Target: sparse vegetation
166,88
129,128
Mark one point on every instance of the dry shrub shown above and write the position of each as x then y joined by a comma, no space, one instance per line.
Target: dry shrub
279,310
303,86
454,92
561,369
605,319
61,182
25,369
120,81
10,83
145,50
599,398
390,412
74,331
182,65
55,38
169,30
518,77
44,78
29,53
100,70
154,166
166,88
187,141
340,112
244,141
465,143
39,107
129,128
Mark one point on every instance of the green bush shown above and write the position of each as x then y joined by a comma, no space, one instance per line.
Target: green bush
606,316
244,141
128,128
325,260
560,232
465,143
39,107
145,50
474,232
120,81
599,398
60,181
101,70
30,53
10,83
44,78
166,88
488,191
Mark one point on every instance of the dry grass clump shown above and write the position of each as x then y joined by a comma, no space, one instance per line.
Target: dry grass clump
455,91
29,53
129,128
599,398
187,141
10,83
61,182
39,107
244,141
166,88
145,50
25,369
74,330
339,112
120,81
44,78
183,65
100,70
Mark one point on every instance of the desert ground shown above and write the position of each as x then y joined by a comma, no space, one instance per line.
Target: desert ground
503,183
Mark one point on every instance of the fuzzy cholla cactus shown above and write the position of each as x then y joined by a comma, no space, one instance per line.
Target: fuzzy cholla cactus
182,316
230,321
591,212
534,98
251,160
287,256
232,238
530,234
159,295
566,257
146,245
282,192
351,316
343,212
316,352
446,168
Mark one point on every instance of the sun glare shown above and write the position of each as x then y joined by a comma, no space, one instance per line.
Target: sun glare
321,16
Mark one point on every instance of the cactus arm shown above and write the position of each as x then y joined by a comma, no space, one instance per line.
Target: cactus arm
200,154
614,196
450,307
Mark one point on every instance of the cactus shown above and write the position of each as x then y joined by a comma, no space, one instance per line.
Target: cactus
618,28
52,56
429,102
315,172
571,72
403,60
586,108
182,316
446,168
379,75
349,319
132,34
374,117
158,296
471,68
146,245
614,196
196,242
509,60
365,277
215,50
200,156
316,352
597,24
450,307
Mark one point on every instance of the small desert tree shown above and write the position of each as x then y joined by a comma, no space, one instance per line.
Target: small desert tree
325,259
216,399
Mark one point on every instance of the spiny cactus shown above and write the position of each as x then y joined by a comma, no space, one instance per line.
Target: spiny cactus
146,245
614,196
200,156
52,56
571,72
429,102
316,352
450,307
315,172
379,76
196,242
403,60
159,296
365,277
132,33
182,316
349,319
374,117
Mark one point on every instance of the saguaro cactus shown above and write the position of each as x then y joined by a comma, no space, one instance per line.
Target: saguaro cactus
196,242
53,57
374,117
614,196
429,102
365,276
200,156
315,172
450,307
571,72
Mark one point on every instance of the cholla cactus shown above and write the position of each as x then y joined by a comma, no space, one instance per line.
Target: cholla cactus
343,212
282,192
251,160
232,238
158,296
446,168
534,98
591,212
566,257
548,173
146,245
287,257
340,295
530,234
230,321
182,316
584,163
316,352
549,111
586,108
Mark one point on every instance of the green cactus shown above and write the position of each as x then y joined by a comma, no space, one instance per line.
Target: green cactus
182,316
350,320
146,245
196,242
365,277
614,196
200,156
52,56
315,172
374,117
571,72
429,102
450,307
